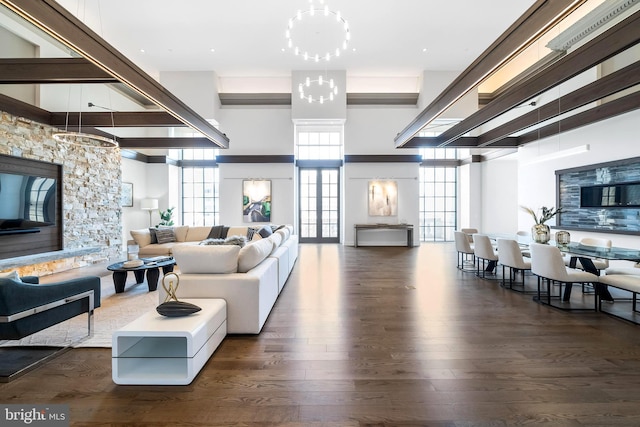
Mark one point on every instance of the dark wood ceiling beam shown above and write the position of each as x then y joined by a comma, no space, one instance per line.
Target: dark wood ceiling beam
605,111
56,21
51,70
164,142
535,20
116,119
605,86
464,142
613,41
22,109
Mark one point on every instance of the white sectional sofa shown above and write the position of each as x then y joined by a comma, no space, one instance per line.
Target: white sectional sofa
248,278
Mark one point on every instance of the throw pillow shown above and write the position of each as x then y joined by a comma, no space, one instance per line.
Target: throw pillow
152,232
265,231
253,254
250,232
165,235
11,275
212,242
275,228
235,240
216,232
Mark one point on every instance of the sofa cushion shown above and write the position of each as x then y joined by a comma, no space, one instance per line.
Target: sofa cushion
10,275
165,235
157,249
253,254
197,234
203,259
237,231
142,237
276,240
284,233
181,233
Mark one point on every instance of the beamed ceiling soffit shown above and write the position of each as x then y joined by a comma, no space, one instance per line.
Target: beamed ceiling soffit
550,96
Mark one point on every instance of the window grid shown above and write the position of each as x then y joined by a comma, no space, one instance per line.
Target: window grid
437,203
200,196
319,145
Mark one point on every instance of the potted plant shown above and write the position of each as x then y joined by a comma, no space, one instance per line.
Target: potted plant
166,217
540,232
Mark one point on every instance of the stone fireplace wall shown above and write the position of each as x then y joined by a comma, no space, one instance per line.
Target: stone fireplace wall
91,191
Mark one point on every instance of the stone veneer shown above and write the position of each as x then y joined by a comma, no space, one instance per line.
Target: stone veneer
91,191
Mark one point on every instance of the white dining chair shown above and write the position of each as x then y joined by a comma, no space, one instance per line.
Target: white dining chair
547,263
469,232
483,249
464,249
510,256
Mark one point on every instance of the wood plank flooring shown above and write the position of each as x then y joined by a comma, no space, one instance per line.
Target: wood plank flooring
378,337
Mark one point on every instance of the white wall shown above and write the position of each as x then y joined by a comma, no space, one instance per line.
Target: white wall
356,188
371,130
254,131
283,195
499,182
613,139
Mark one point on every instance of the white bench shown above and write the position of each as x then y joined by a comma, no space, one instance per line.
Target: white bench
626,282
159,350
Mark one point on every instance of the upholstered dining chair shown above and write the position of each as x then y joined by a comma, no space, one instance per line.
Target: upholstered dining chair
598,263
484,252
511,257
547,263
464,249
469,232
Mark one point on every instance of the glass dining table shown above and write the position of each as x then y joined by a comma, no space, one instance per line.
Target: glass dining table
585,254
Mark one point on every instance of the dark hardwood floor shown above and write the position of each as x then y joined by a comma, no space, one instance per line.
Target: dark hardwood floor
378,337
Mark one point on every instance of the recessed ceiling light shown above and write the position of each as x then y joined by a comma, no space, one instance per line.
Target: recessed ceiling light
141,50
424,49
212,50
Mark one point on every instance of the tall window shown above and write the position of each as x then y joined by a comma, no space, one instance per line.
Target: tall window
319,154
438,200
200,188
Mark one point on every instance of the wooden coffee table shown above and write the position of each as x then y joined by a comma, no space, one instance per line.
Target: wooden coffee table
152,270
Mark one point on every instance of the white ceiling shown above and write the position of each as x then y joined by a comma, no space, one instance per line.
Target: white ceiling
391,39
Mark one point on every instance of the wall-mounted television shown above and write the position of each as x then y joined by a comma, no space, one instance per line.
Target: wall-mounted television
623,195
27,202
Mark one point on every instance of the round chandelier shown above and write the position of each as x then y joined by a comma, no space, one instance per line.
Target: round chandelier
318,15
85,140
323,90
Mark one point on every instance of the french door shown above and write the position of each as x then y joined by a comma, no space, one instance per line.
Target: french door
319,201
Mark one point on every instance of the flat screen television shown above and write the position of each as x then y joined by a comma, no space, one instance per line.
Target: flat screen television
27,202
623,195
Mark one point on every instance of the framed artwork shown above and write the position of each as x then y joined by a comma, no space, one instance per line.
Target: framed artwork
383,198
126,195
256,200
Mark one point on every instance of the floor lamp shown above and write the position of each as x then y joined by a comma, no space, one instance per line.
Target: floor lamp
149,205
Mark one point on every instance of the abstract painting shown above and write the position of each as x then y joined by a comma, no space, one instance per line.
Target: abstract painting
256,201
383,198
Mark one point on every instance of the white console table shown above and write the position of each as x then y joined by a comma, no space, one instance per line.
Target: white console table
159,350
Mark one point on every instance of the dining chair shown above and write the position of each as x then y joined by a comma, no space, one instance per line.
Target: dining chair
548,264
484,252
469,232
511,257
598,263
464,249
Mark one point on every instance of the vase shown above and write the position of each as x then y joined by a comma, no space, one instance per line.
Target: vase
540,233
563,238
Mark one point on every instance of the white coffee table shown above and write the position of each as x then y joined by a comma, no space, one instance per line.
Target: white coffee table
159,350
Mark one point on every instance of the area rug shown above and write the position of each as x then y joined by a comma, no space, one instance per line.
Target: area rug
116,310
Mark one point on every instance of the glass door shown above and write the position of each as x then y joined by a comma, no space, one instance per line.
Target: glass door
319,205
